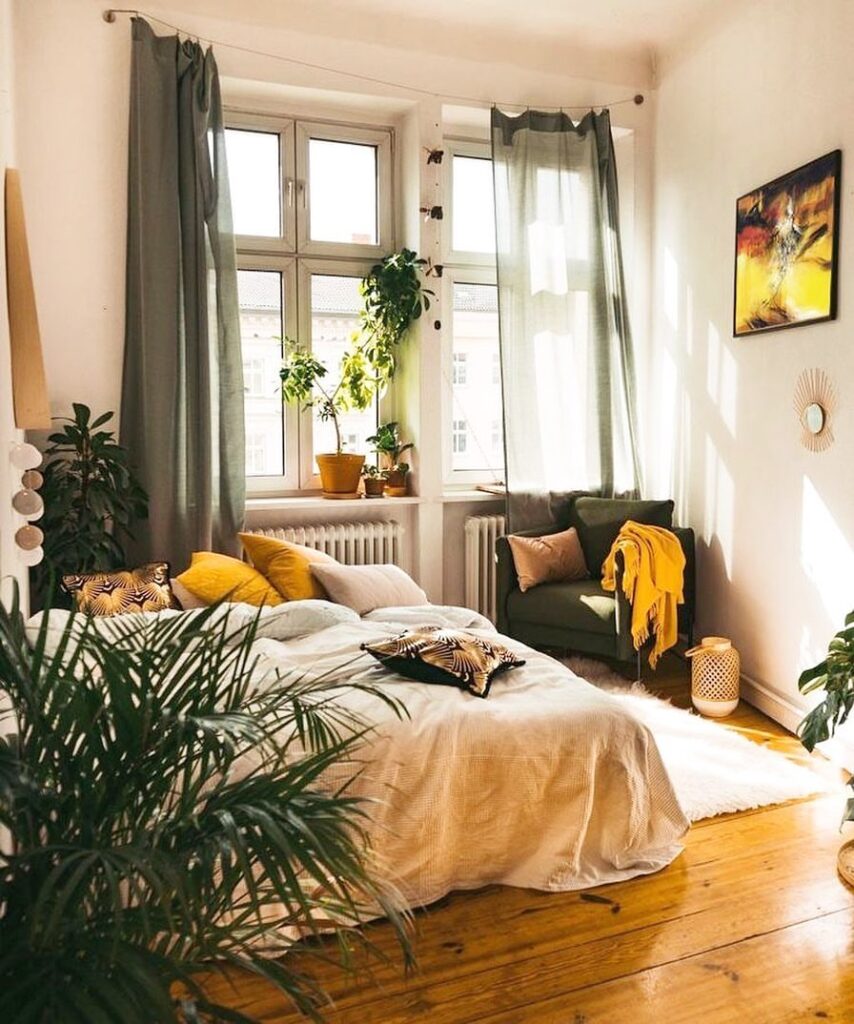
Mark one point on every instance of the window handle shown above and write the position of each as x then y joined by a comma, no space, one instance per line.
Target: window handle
289,190
303,191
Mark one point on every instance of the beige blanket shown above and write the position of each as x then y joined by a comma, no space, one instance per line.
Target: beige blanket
548,784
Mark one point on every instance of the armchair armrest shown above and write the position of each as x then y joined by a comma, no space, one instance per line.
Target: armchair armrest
506,579
688,611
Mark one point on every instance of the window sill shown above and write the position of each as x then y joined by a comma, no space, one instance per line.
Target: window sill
471,496
318,501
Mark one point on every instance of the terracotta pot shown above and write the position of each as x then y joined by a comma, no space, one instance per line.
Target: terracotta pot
340,474
374,486
396,484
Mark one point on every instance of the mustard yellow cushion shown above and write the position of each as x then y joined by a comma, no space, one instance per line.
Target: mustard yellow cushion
214,577
286,565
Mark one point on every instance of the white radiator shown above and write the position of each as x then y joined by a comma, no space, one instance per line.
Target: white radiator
350,543
481,534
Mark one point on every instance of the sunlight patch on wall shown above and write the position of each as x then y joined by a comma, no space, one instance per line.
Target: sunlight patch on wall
720,505
671,289
826,555
722,378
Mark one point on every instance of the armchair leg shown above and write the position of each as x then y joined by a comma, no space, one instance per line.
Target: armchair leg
639,677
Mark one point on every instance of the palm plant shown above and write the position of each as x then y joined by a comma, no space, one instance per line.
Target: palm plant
163,812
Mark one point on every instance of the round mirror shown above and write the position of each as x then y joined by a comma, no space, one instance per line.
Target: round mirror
814,418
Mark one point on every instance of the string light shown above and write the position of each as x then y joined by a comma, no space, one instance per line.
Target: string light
109,15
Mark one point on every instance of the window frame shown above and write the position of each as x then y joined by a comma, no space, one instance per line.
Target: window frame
456,477
306,269
286,242
296,257
477,149
287,268
381,139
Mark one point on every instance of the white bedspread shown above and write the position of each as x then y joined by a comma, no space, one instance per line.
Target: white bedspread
547,784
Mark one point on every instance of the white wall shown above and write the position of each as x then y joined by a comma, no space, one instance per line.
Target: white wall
744,102
10,567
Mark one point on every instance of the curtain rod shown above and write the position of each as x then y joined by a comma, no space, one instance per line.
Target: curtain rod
109,15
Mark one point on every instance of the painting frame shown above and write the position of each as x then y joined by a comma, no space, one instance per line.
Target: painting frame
834,159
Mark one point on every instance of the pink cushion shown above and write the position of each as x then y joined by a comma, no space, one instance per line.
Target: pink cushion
555,558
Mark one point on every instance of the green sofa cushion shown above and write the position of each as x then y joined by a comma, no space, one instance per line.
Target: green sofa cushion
599,520
581,605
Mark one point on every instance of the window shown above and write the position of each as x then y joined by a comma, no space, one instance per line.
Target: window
312,207
475,410
461,437
460,366
474,445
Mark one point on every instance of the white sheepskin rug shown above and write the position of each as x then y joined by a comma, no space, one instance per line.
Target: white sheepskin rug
713,769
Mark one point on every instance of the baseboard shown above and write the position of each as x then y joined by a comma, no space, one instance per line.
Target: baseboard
774,705
789,714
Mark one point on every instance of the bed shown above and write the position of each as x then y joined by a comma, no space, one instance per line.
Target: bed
548,784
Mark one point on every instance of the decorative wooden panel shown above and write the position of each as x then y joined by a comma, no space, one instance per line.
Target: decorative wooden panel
29,390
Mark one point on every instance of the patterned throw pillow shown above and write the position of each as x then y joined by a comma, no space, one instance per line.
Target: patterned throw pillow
145,589
435,655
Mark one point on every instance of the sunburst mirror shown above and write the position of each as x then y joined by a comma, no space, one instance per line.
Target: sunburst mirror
815,400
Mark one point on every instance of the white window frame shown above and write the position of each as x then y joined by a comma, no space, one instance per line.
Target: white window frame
309,480
381,140
460,147
456,477
269,485
296,257
284,128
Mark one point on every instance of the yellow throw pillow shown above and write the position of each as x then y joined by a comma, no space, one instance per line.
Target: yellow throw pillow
286,565
214,577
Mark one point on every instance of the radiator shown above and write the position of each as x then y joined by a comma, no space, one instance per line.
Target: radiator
350,543
481,534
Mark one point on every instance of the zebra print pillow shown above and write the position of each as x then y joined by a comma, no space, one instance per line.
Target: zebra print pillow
435,655
145,589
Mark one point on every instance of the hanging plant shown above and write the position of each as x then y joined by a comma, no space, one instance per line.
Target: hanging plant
394,298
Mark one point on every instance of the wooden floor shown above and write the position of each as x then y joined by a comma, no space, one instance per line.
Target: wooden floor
750,924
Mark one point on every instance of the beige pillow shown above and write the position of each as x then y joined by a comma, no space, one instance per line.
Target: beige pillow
366,587
555,558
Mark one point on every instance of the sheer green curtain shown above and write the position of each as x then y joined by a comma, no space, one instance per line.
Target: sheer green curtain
566,346
182,388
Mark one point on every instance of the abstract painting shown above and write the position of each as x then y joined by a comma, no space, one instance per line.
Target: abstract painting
786,240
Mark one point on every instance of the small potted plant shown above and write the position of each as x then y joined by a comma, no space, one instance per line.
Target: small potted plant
393,299
389,447
374,479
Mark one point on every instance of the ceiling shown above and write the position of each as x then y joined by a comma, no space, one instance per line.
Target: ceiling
634,29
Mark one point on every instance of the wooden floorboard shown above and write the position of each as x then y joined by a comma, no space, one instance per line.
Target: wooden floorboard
750,923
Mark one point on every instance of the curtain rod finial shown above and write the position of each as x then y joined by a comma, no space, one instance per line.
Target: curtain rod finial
638,98
109,16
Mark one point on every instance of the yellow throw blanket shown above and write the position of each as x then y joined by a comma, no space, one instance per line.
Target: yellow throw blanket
652,582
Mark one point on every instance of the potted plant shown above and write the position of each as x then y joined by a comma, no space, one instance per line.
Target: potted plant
91,500
393,299
834,675
375,480
389,447
161,813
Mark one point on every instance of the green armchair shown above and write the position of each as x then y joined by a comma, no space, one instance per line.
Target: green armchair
581,616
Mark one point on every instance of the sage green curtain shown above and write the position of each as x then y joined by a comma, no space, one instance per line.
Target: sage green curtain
182,388
566,347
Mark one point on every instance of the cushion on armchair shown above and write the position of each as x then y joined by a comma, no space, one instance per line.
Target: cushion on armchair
552,558
599,520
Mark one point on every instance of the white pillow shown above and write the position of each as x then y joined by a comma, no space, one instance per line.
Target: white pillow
366,587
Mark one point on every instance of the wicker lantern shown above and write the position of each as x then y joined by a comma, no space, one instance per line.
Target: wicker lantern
714,676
